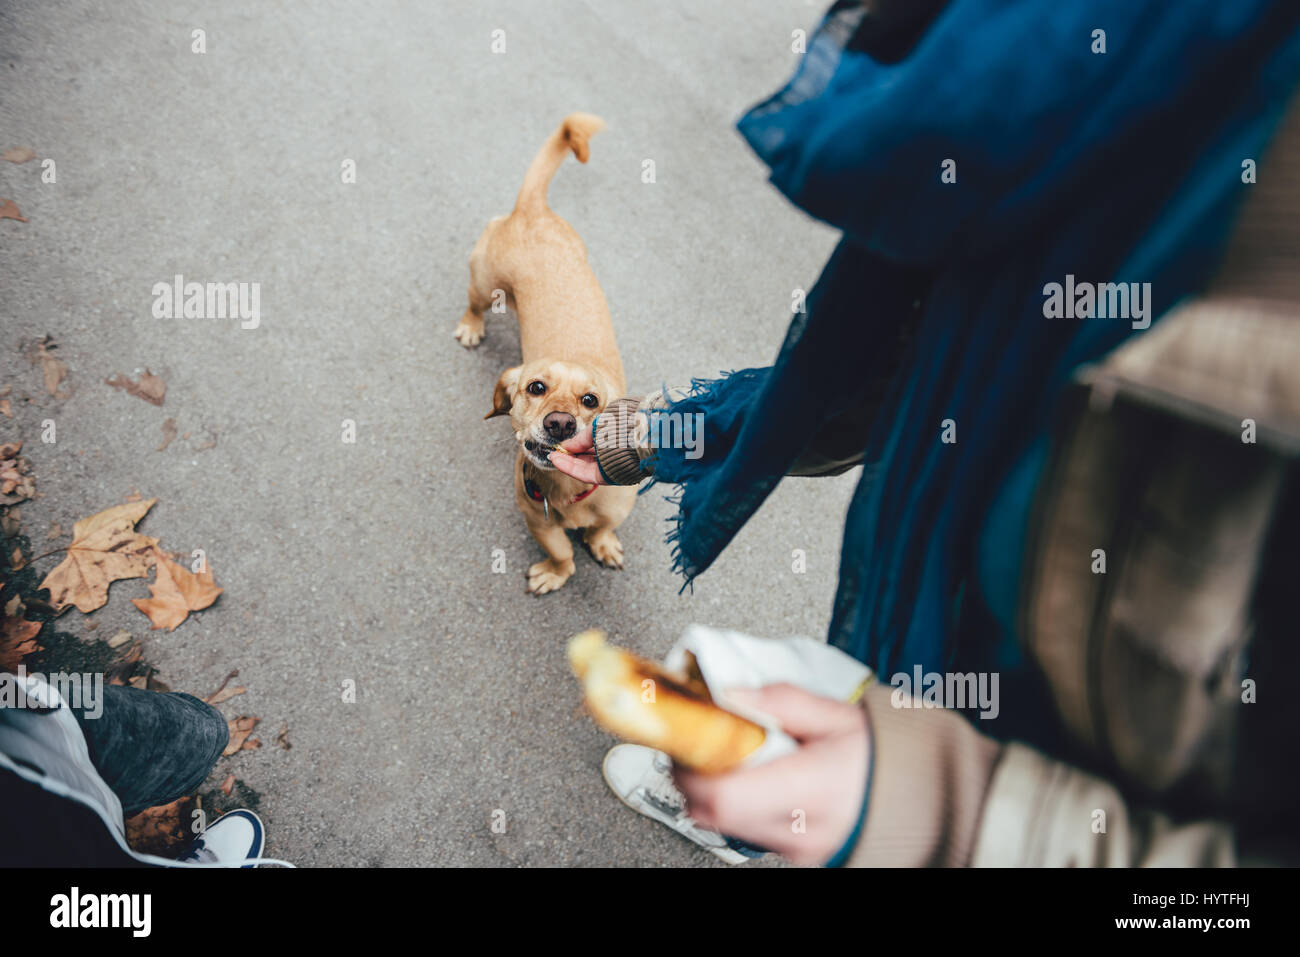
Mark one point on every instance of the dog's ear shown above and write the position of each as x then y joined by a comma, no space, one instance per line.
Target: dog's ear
503,395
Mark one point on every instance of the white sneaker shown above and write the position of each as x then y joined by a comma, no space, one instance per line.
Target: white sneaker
231,838
642,779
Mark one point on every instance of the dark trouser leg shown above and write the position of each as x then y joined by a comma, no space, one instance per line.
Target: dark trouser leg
152,748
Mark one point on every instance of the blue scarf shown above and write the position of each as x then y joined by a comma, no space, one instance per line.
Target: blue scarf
1122,166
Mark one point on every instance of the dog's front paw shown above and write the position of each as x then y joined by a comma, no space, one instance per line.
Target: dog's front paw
605,548
469,331
549,575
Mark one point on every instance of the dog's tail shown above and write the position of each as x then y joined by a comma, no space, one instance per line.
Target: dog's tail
573,134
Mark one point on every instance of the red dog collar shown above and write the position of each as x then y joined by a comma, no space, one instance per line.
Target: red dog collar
580,497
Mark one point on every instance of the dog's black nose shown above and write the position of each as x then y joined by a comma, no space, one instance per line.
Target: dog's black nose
560,425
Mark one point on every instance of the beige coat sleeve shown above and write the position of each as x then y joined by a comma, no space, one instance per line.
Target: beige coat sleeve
943,794
1043,813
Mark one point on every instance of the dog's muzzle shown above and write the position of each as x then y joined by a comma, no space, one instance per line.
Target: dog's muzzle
536,452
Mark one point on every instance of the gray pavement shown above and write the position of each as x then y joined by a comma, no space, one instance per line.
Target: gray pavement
373,561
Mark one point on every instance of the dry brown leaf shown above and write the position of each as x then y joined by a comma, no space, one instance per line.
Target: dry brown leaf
164,831
9,211
228,785
6,408
118,640
221,694
18,154
53,369
17,484
17,636
105,548
176,592
240,729
282,739
151,388
169,435
10,522
225,694
119,671
56,531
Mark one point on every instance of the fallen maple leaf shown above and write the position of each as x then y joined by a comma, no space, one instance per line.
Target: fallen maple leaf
105,548
176,592
240,729
164,830
17,635
18,154
9,211
151,388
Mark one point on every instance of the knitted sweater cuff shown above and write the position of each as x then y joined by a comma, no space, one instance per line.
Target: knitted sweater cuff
615,438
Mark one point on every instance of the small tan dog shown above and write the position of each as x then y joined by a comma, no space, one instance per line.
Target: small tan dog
571,367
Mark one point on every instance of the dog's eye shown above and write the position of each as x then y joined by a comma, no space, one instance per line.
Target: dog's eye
537,387
590,400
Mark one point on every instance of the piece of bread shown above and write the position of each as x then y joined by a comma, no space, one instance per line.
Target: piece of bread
640,702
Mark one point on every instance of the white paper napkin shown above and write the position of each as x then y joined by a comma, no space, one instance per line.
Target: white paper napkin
732,659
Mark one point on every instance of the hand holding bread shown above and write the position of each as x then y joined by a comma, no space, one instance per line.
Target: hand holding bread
640,702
